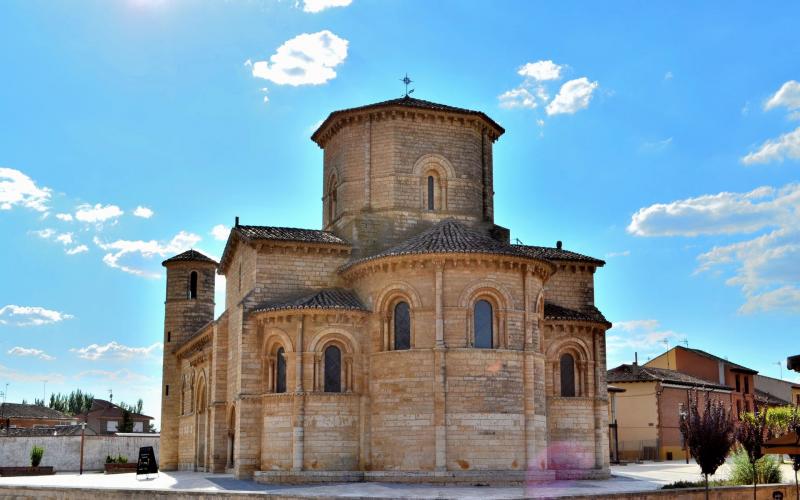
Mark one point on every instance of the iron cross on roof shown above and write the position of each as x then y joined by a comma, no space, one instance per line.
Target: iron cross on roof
407,81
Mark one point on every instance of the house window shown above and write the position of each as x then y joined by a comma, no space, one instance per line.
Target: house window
138,427
747,385
169,336
738,407
333,369
402,326
331,199
567,376
193,285
483,321
431,184
738,383
112,426
280,371
798,399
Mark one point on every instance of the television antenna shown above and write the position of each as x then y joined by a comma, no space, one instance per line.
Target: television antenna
407,81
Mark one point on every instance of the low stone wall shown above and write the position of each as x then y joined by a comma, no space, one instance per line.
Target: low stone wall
63,452
765,492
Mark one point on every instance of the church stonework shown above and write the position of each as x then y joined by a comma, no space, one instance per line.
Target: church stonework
408,340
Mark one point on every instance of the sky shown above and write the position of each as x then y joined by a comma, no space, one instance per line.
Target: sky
662,137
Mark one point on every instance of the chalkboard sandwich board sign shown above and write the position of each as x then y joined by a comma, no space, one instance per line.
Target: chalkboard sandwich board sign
147,461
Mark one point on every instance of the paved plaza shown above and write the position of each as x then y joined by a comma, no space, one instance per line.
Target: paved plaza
627,478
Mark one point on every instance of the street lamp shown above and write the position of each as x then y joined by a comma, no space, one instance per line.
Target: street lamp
83,432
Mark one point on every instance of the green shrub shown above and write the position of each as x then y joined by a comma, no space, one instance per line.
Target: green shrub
122,459
36,455
694,484
109,459
767,469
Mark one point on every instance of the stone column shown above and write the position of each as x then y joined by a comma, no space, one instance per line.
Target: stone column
298,406
440,374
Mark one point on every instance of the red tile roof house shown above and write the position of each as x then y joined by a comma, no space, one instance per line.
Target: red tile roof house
18,416
104,417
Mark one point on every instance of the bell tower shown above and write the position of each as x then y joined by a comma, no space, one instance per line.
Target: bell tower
189,305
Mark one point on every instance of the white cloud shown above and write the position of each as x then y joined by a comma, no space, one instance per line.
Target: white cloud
220,232
17,188
573,96
623,253
143,212
97,213
723,213
64,217
307,59
785,146
45,233
517,98
144,249
788,96
64,238
17,376
31,315
786,298
314,6
541,70
656,146
644,336
76,250
114,350
124,376
25,351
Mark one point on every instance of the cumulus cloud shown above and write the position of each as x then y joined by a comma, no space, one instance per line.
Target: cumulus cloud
17,189
220,232
143,212
517,98
30,352
76,250
98,213
307,59
117,250
573,96
30,315
623,253
645,336
722,213
115,350
65,239
788,96
64,217
541,70
314,6
764,266
786,146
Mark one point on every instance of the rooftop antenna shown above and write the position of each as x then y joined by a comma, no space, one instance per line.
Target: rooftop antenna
685,342
111,396
407,81
780,367
518,241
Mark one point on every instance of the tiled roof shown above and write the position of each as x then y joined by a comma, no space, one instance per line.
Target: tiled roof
555,312
636,373
289,234
448,236
58,430
102,408
409,102
550,253
17,410
328,298
770,399
189,255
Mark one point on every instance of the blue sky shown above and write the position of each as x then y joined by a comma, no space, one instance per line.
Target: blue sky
663,137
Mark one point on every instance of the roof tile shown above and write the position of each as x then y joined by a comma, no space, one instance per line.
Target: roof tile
636,373
328,298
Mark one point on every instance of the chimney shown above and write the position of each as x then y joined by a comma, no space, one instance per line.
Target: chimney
236,224
558,244
635,358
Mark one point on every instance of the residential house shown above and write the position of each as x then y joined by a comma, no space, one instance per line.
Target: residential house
775,391
17,415
648,412
712,369
104,417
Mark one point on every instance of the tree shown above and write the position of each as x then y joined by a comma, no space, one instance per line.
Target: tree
708,435
73,403
127,411
751,433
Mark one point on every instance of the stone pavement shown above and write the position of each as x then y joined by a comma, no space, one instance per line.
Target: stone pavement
629,478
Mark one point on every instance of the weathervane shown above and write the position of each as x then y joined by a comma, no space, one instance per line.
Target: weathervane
407,81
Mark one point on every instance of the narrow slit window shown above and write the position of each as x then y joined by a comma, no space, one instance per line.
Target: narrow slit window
431,184
484,324
193,285
567,376
333,369
280,371
402,326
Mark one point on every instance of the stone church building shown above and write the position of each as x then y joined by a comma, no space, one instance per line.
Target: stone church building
408,340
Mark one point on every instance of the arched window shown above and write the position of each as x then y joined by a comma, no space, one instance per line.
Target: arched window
333,369
331,199
402,326
280,371
567,376
193,285
431,184
483,321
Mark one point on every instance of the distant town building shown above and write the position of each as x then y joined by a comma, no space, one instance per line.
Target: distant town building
776,392
104,417
648,412
17,416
